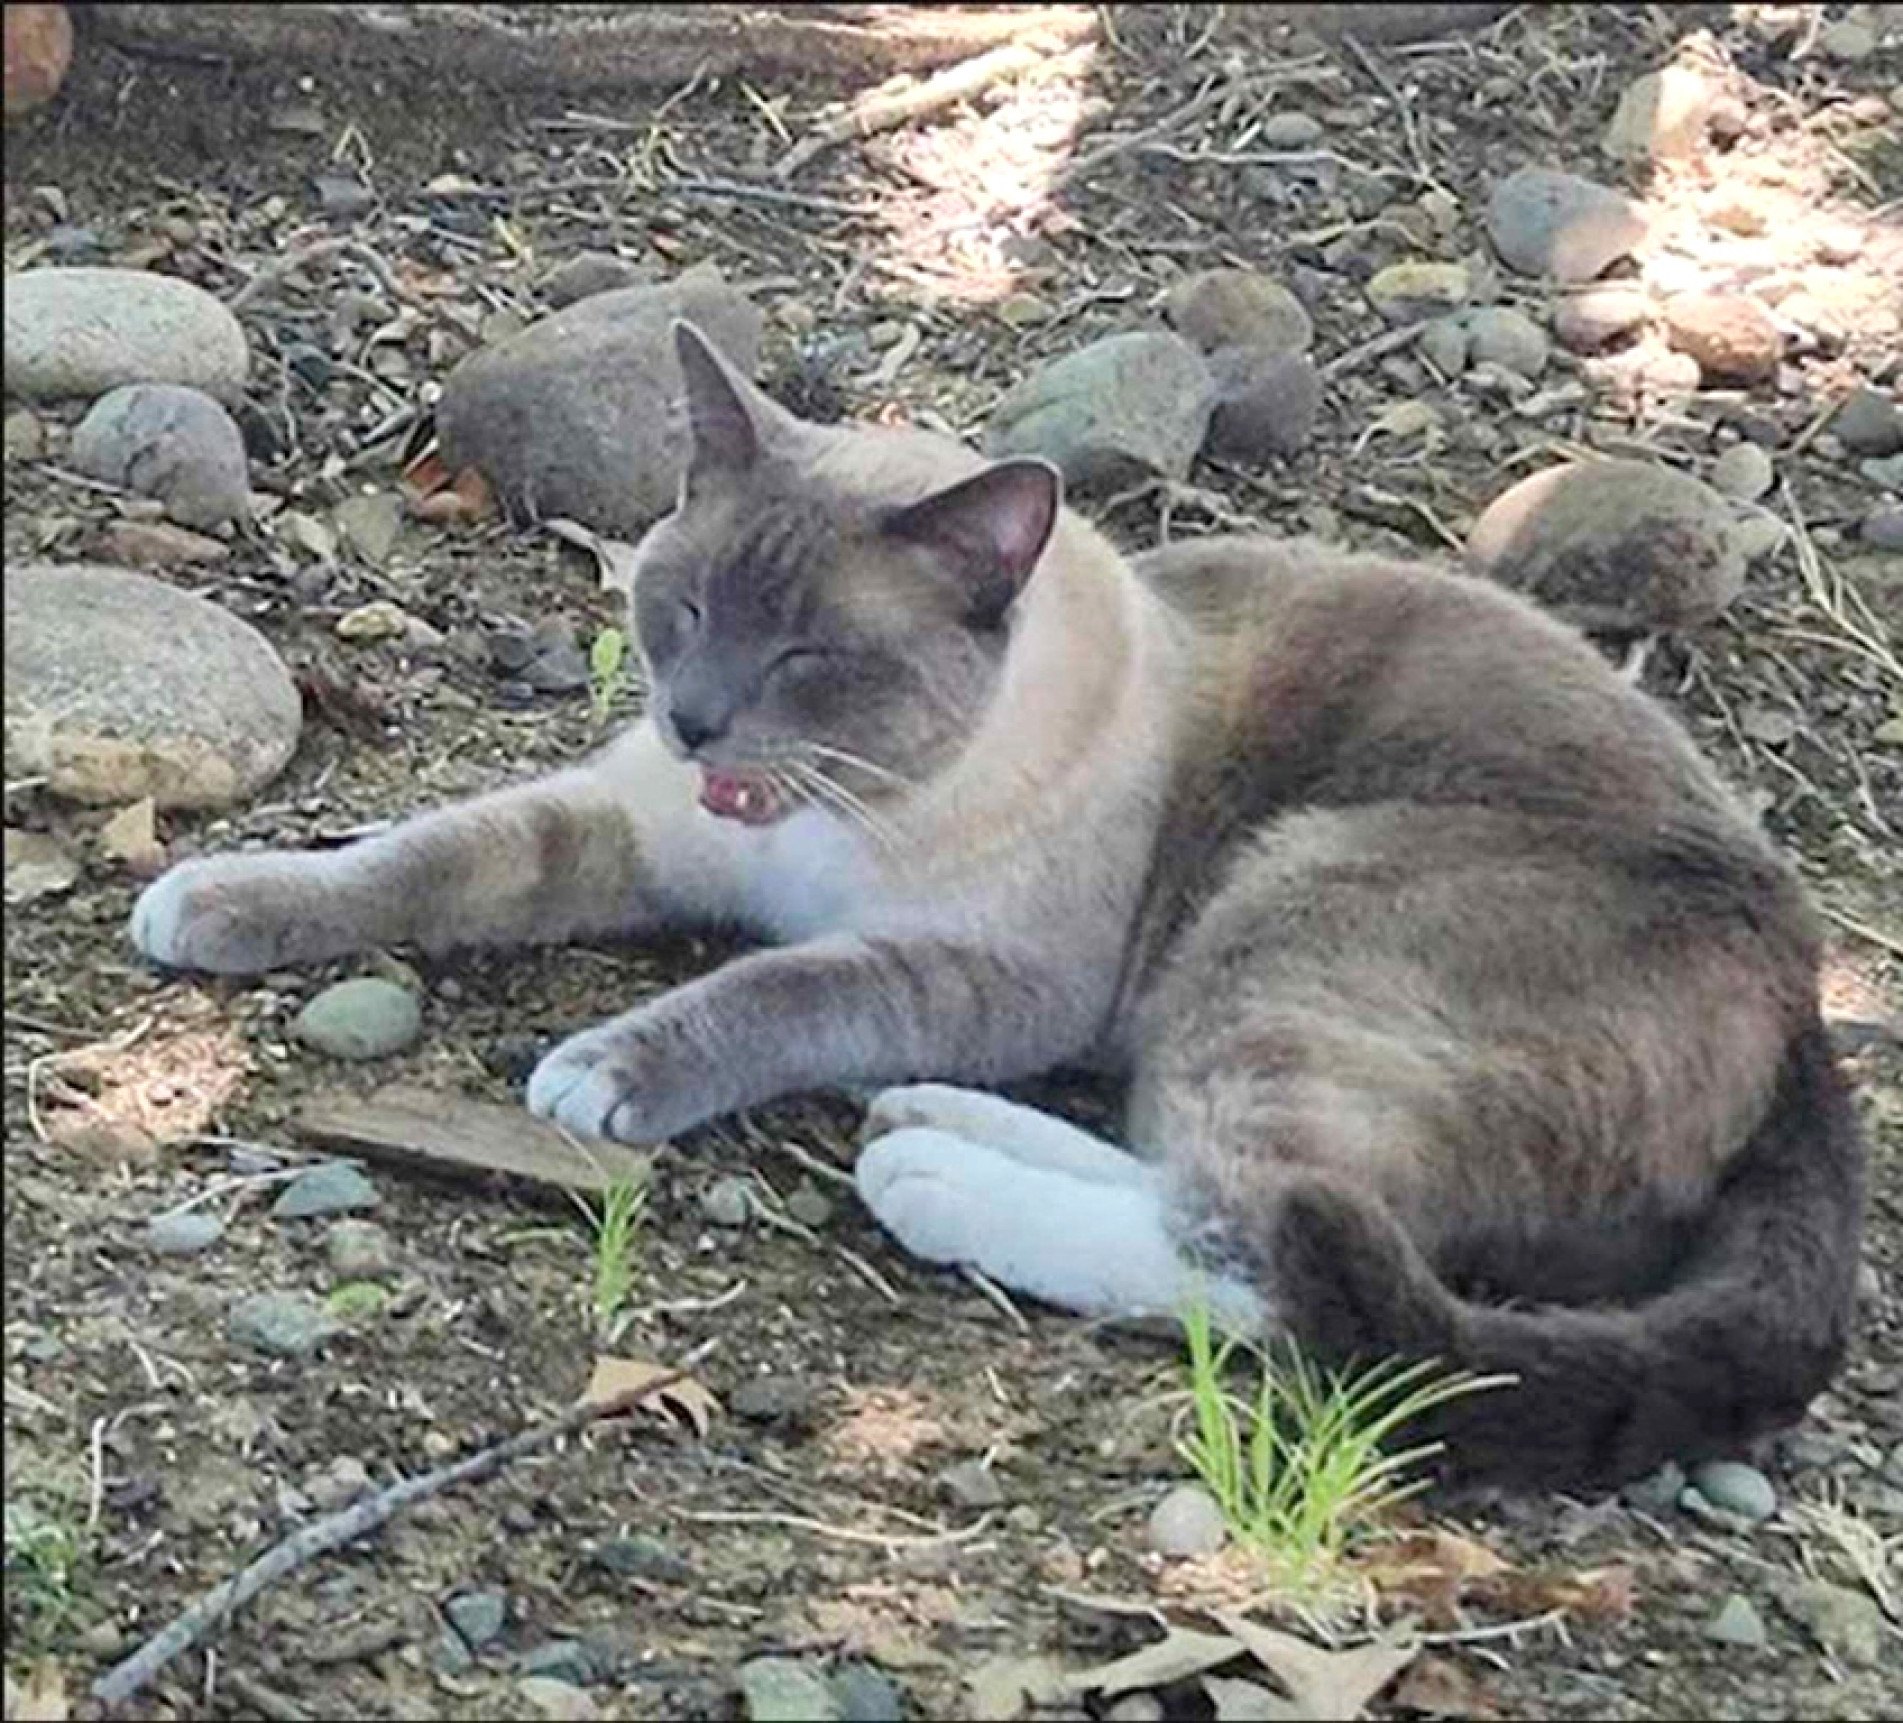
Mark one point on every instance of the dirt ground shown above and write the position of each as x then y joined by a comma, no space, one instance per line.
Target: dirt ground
812,1519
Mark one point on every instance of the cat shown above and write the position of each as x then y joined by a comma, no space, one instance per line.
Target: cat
1463,1013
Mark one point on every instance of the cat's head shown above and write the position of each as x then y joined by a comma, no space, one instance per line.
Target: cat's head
813,641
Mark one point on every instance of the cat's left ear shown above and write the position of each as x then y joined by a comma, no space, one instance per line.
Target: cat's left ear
990,528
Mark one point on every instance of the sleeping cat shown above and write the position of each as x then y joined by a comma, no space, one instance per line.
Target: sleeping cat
1464,1014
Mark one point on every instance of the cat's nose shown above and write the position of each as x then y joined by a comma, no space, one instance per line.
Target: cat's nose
697,729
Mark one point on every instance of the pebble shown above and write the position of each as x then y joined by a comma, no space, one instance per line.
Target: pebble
282,1324
167,441
575,415
588,273
1733,338
1266,404
1123,408
359,1250
120,686
559,1701
728,1202
379,619
1597,316
1187,1522
1882,527
1661,116
343,196
866,1696
183,1234
1445,342
370,523
1543,222
1847,39
1869,423
1743,472
1735,1488
1622,543
1886,473
1736,1622
1846,1623
971,1484
787,1690
1406,292
363,1018
1292,130
478,1616
561,1660
809,1205
85,331
344,1480
156,544
1238,308
25,436
641,1558
773,1399
37,865
1502,336
333,1187
1657,1492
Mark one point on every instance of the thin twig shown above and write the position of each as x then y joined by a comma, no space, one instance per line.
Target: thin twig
274,272
844,1534
995,1295
216,1606
1863,930
1376,347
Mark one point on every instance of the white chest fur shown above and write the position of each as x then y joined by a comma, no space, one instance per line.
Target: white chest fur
806,875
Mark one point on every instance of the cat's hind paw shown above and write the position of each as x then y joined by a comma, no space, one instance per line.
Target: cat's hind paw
1034,1138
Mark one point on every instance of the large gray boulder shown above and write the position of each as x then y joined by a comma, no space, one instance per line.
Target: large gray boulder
84,331
119,686
579,415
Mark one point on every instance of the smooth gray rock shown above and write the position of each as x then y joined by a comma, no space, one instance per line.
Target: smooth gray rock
787,1690
1737,1622
283,1324
866,1696
167,441
1266,404
728,1202
1546,223
971,1484
1238,308
84,331
588,273
363,1018
1735,1488
577,415
120,686
478,1616
331,1187
183,1234
1869,423
1293,130
1613,545
1743,473
1502,336
560,1660
1119,410
1187,1522
1882,527
1447,343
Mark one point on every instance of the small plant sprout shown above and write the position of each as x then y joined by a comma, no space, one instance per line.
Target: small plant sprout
613,1223
44,1555
1303,1472
606,658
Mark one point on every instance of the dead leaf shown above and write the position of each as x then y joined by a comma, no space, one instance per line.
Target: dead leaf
36,866
615,1377
1328,1686
1433,1570
1442,1688
111,1142
1404,419
131,836
41,1697
1180,1653
1244,1701
614,559
1601,1595
425,473
1002,1688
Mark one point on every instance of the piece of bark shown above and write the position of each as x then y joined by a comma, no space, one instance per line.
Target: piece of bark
451,1136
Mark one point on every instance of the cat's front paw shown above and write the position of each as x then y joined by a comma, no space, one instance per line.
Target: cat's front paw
230,915
608,1082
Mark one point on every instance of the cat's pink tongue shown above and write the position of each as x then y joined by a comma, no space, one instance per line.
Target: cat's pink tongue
739,796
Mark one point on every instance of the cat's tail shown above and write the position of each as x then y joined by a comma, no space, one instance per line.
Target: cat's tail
1753,1325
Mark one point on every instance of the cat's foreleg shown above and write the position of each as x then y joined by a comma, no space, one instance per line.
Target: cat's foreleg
582,852
839,1011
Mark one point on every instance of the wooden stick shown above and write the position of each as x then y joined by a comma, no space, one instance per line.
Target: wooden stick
333,1531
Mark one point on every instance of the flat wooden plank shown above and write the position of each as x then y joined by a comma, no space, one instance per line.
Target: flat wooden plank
452,1136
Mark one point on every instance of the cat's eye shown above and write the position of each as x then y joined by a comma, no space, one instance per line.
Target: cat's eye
690,612
795,657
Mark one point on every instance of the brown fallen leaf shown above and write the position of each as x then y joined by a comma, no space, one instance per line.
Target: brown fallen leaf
1440,1687
613,1377
1180,1653
1326,1686
1601,1595
1433,1570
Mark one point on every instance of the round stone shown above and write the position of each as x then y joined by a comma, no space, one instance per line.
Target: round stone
1293,130
363,1018
1870,422
282,1324
1735,1488
1406,292
1882,527
84,331
728,1202
1734,339
332,1187
1743,472
1613,545
1266,403
119,686
1543,222
1238,308
1187,1522
1595,317
1502,336
167,441
183,1234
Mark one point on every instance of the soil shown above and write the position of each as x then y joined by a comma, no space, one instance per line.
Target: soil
811,1518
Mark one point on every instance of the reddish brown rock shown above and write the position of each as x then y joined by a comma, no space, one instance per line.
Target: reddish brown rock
1732,337
39,48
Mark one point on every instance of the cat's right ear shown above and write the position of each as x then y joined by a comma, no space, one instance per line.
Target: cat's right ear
724,411
991,528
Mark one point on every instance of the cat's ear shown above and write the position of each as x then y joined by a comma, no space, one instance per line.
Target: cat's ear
991,528
726,415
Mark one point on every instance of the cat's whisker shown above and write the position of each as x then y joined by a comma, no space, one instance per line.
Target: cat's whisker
847,758
842,801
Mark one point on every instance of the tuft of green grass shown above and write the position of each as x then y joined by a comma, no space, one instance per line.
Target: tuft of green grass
44,1556
1303,1471
607,655
613,1224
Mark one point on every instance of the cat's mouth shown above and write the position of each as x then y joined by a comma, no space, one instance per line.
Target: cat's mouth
748,797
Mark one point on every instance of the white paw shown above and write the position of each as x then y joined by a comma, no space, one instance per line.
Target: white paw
231,915
580,1086
1036,1139
1088,1246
